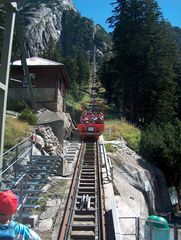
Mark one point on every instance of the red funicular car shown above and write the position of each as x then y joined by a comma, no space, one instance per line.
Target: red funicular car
91,124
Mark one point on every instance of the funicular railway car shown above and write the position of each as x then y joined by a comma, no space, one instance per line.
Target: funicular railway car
91,124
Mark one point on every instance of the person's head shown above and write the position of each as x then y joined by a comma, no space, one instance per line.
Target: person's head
8,205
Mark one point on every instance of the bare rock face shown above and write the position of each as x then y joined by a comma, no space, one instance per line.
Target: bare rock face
42,21
141,185
131,202
46,26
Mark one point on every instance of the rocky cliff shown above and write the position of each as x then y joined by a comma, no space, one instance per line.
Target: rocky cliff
41,21
142,186
45,20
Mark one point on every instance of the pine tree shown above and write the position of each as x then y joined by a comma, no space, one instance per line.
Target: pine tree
53,51
147,80
146,57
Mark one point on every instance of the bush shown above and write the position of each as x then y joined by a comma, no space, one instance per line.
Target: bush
160,144
28,116
17,105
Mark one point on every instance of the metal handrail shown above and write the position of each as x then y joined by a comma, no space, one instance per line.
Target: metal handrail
117,230
15,146
100,204
21,157
174,228
20,180
105,160
10,161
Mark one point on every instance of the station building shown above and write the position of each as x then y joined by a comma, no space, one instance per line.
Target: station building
49,81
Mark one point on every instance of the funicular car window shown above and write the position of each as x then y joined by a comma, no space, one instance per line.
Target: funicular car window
90,129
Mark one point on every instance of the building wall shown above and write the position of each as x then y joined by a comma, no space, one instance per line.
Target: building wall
44,77
44,97
48,86
60,102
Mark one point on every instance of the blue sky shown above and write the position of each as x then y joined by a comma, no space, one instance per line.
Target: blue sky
100,10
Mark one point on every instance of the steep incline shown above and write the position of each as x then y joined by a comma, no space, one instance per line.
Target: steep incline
57,21
41,21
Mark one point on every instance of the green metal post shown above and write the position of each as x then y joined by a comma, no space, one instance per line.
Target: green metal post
11,8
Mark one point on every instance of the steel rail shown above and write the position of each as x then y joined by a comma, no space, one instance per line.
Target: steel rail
102,233
84,212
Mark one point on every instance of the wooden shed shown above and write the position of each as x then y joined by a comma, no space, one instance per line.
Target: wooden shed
49,81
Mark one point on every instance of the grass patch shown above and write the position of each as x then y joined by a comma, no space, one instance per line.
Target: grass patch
115,129
15,131
42,202
109,147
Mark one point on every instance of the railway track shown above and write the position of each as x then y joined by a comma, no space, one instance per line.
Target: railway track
84,212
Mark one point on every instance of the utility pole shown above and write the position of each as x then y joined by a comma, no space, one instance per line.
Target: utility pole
11,9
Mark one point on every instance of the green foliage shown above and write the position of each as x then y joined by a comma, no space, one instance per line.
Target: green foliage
78,70
42,202
17,106
176,32
75,108
57,190
77,34
161,145
107,73
53,51
77,50
140,77
28,116
143,79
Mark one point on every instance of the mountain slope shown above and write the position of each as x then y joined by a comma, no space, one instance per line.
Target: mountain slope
58,21
41,21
